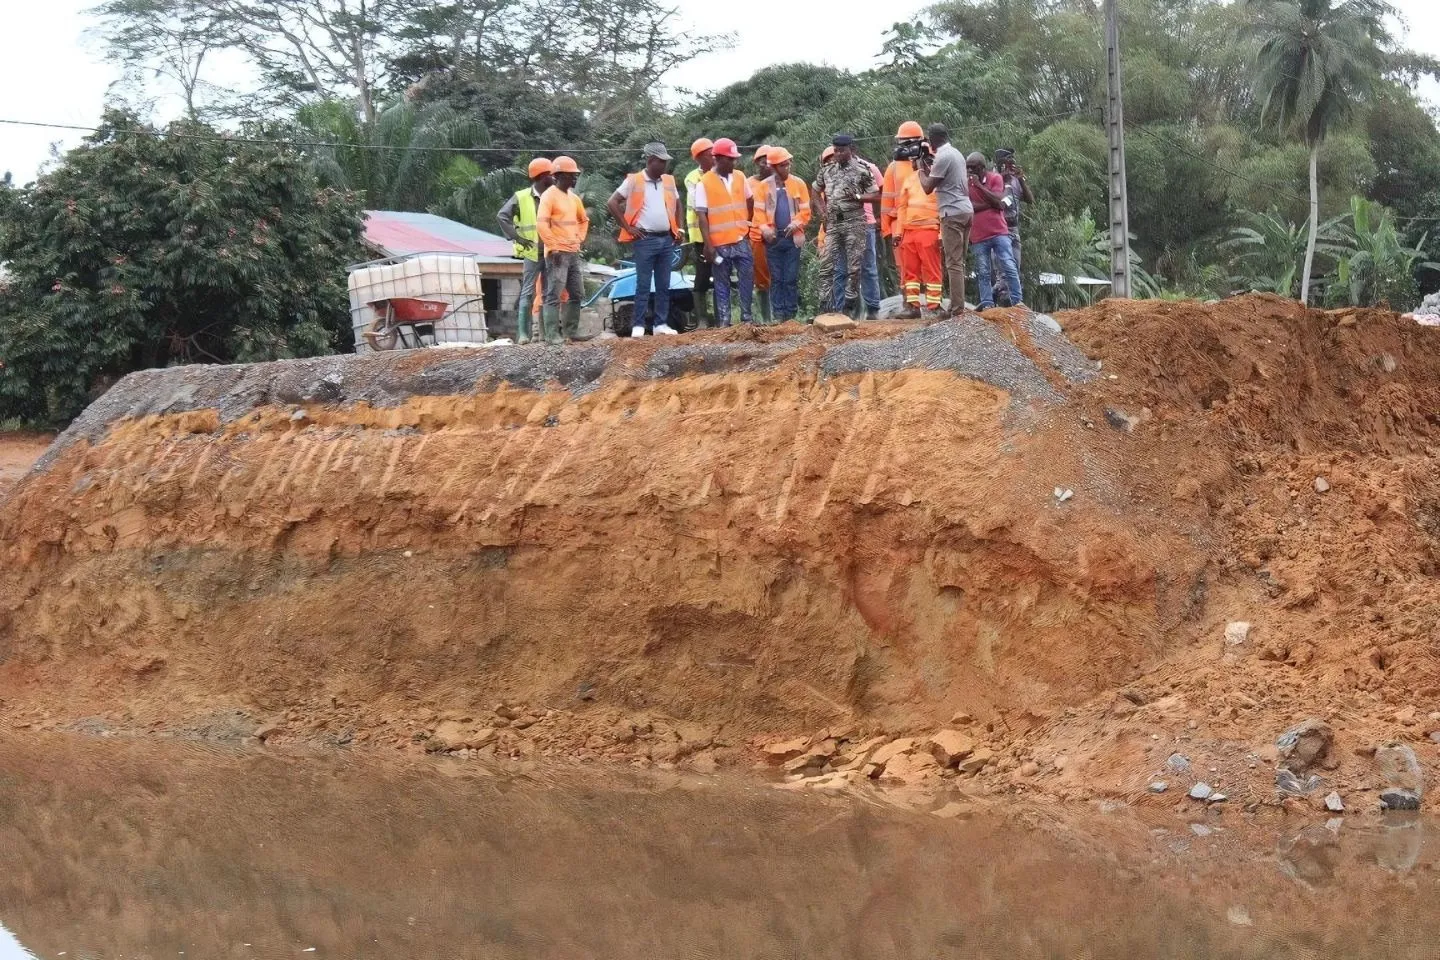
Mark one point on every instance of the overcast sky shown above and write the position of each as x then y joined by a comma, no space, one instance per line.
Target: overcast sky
51,72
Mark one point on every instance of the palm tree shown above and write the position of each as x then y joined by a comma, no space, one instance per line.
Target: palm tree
405,160
1315,59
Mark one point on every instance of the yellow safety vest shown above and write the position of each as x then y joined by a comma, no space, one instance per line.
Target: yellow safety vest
692,219
524,224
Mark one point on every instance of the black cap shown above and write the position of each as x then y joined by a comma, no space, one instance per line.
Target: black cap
1004,153
843,140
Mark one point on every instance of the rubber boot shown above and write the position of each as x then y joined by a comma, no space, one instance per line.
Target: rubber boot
570,319
702,312
550,318
766,316
522,326
855,309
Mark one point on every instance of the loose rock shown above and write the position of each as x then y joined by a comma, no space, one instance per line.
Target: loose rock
1395,798
1322,485
1306,745
1201,791
1236,633
1400,769
1178,763
883,755
1288,782
977,761
834,321
1159,786
783,751
1333,803
949,747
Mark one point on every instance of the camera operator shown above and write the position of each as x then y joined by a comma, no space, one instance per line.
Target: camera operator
947,177
1017,194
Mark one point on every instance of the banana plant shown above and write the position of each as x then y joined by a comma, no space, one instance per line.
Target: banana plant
1379,266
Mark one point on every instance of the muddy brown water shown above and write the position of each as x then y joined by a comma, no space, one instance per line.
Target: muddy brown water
117,847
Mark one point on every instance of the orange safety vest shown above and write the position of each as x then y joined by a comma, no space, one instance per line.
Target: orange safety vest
766,197
636,202
729,222
894,179
916,209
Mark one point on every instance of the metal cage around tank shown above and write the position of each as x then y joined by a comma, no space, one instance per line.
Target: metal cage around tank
454,279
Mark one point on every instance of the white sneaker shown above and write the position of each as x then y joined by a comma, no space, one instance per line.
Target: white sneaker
637,331
666,329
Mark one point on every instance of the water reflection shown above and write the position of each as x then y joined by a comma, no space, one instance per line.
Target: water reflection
129,849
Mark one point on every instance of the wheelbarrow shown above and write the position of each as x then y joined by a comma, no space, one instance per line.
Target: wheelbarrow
404,322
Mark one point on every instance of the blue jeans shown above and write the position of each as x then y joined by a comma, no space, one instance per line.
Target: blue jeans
1000,249
653,259
739,257
869,276
784,259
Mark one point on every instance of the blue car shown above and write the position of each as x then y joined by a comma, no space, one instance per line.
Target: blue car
614,302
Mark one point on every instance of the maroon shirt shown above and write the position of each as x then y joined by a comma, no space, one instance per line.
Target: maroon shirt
988,222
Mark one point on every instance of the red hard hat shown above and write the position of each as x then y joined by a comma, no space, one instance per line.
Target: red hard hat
700,146
909,130
565,165
539,167
725,147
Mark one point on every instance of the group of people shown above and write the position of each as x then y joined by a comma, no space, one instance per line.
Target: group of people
745,233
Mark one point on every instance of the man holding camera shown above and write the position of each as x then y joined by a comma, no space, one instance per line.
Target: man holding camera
1017,194
946,176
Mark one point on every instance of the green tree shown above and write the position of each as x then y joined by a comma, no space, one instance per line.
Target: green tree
1316,59
146,247
409,159
1269,251
1377,265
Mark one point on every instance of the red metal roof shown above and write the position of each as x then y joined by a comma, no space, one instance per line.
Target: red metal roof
400,234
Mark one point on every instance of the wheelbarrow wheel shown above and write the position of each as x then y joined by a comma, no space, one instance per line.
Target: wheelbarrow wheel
382,335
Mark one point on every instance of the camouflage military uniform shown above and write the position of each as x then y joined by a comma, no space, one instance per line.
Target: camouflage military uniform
846,231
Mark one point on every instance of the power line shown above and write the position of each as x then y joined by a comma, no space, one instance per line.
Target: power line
521,148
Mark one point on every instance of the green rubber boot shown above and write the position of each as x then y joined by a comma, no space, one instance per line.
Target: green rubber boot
550,319
767,316
702,312
570,319
523,320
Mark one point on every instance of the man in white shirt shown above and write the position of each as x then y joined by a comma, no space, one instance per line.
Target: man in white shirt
727,232
647,207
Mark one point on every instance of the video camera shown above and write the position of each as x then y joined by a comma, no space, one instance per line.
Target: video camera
912,150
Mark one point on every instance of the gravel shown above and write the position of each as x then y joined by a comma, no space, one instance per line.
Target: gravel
968,345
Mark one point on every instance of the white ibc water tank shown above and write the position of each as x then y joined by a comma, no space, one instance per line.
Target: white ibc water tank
453,278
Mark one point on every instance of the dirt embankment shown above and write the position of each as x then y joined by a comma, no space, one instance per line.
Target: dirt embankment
663,553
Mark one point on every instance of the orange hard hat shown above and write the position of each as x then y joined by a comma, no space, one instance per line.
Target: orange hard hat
778,155
700,146
827,154
565,165
910,130
763,153
725,147
539,167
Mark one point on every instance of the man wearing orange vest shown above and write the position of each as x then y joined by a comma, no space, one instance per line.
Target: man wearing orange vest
917,237
647,207
757,244
909,141
782,211
563,226
725,205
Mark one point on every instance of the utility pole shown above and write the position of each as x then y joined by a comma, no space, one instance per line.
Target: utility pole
1115,126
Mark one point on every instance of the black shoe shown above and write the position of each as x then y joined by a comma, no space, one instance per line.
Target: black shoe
853,309
871,313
